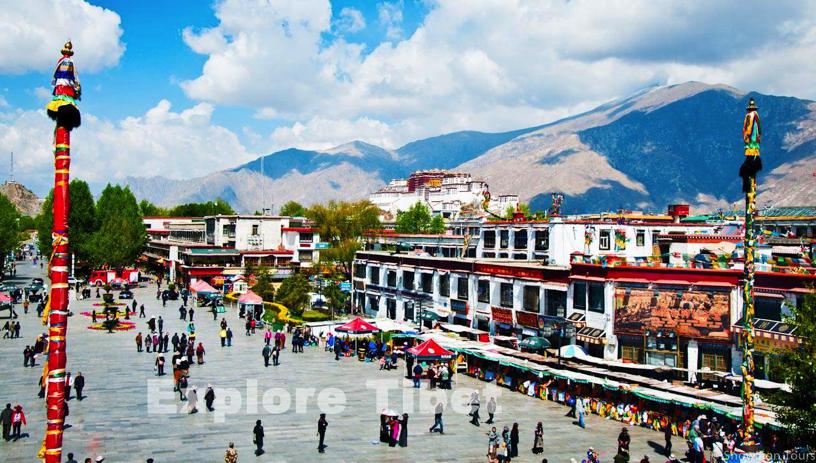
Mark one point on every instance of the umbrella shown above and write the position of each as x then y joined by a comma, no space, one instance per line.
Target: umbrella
535,343
357,326
430,315
430,350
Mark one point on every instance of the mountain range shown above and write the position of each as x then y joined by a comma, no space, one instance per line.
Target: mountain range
662,145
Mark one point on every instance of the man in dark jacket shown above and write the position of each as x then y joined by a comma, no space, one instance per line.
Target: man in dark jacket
322,424
5,419
209,398
259,435
79,384
266,352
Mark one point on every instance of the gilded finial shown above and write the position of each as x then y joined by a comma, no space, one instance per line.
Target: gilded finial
68,49
751,105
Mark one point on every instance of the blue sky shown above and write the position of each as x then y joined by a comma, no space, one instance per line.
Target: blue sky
183,88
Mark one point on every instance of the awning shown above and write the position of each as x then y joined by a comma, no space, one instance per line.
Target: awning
577,318
430,350
357,326
771,330
591,335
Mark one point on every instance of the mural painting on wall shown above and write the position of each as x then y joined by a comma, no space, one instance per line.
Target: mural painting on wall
690,314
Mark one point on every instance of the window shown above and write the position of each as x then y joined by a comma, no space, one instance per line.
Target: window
603,241
556,303
542,240
506,292
305,256
375,275
408,280
520,239
462,288
489,238
504,239
715,362
306,237
596,297
630,354
483,291
640,238
255,229
768,308
488,255
360,270
444,284
426,282
579,299
531,298
519,256
391,278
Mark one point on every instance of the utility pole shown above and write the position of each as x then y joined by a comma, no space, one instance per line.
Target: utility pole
751,134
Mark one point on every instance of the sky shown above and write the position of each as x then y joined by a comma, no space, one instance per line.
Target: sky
184,88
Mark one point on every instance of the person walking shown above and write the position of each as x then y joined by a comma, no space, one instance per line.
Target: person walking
160,365
623,442
276,355
160,322
190,352
223,335
403,433
493,440
209,398
266,352
667,436
182,313
538,439
142,311
267,336
5,420
191,312
192,400
200,353
165,341
474,408
182,387
229,337
175,340
438,426
512,449
79,385
338,347
491,410
18,420
417,375
322,424
231,455
580,410
148,342
258,435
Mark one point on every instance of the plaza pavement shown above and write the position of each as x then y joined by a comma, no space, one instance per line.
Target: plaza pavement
114,421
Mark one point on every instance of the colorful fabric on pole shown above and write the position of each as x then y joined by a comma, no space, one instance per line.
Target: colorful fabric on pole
751,136
67,91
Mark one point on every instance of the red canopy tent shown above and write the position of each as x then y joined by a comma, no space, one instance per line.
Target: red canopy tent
357,326
201,286
250,298
5,298
430,350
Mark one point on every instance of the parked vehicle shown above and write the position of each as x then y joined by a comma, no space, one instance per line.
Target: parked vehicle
125,294
129,276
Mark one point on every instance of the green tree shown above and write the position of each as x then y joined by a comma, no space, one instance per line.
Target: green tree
437,226
294,293
82,223
27,222
796,409
121,234
335,297
418,219
149,209
217,207
342,224
263,283
293,209
9,231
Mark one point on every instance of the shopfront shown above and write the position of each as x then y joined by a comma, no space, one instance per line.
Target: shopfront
527,324
460,312
502,321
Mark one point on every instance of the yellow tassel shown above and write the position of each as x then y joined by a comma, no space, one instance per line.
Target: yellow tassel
46,312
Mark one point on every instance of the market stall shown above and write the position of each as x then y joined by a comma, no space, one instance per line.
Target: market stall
250,302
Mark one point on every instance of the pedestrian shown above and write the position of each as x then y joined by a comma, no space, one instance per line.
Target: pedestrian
175,341
492,444
667,436
165,341
266,352
258,435
223,335
209,398
417,375
182,313
409,363
267,336
5,420
229,337
148,342
142,311
192,400
580,409
491,410
223,323
438,426
512,449
65,413
18,420
403,434
26,356
538,439
70,458
161,325
190,352
322,424
139,342
191,312
182,387
276,355
200,353
474,408
79,385
231,455
160,365
338,347
93,312
623,442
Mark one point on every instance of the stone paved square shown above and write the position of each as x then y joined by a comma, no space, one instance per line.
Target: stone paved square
114,421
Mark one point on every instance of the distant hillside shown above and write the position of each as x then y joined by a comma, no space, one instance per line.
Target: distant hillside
662,145
24,199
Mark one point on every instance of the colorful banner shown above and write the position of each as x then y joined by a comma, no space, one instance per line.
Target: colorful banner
527,319
502,315
691,314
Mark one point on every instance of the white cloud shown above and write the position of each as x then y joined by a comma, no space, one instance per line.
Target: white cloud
33,32
351,20
182,144
320,133
489,65
390,16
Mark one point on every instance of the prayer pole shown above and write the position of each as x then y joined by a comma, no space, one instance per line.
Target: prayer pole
63,110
